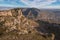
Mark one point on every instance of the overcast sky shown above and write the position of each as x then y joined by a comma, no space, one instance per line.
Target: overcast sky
31,3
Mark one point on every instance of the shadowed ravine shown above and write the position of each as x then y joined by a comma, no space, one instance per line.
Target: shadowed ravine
49,28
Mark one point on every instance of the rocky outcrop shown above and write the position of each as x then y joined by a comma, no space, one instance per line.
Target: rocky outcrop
5,13
14,20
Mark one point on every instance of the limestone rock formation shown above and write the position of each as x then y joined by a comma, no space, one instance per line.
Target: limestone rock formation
12,20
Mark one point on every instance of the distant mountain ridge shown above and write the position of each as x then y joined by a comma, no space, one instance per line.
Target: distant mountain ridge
50,15
5,8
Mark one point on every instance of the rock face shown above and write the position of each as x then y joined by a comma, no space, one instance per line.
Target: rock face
14,20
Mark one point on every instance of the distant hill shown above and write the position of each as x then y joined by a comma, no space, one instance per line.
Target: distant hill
5,8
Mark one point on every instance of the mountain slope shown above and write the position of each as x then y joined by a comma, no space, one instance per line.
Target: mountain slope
14,20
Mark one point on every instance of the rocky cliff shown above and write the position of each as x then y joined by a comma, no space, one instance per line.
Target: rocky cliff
21,18
14,20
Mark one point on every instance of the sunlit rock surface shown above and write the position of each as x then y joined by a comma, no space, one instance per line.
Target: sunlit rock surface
13,19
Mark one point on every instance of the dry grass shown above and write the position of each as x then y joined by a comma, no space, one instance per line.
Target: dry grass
15,36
